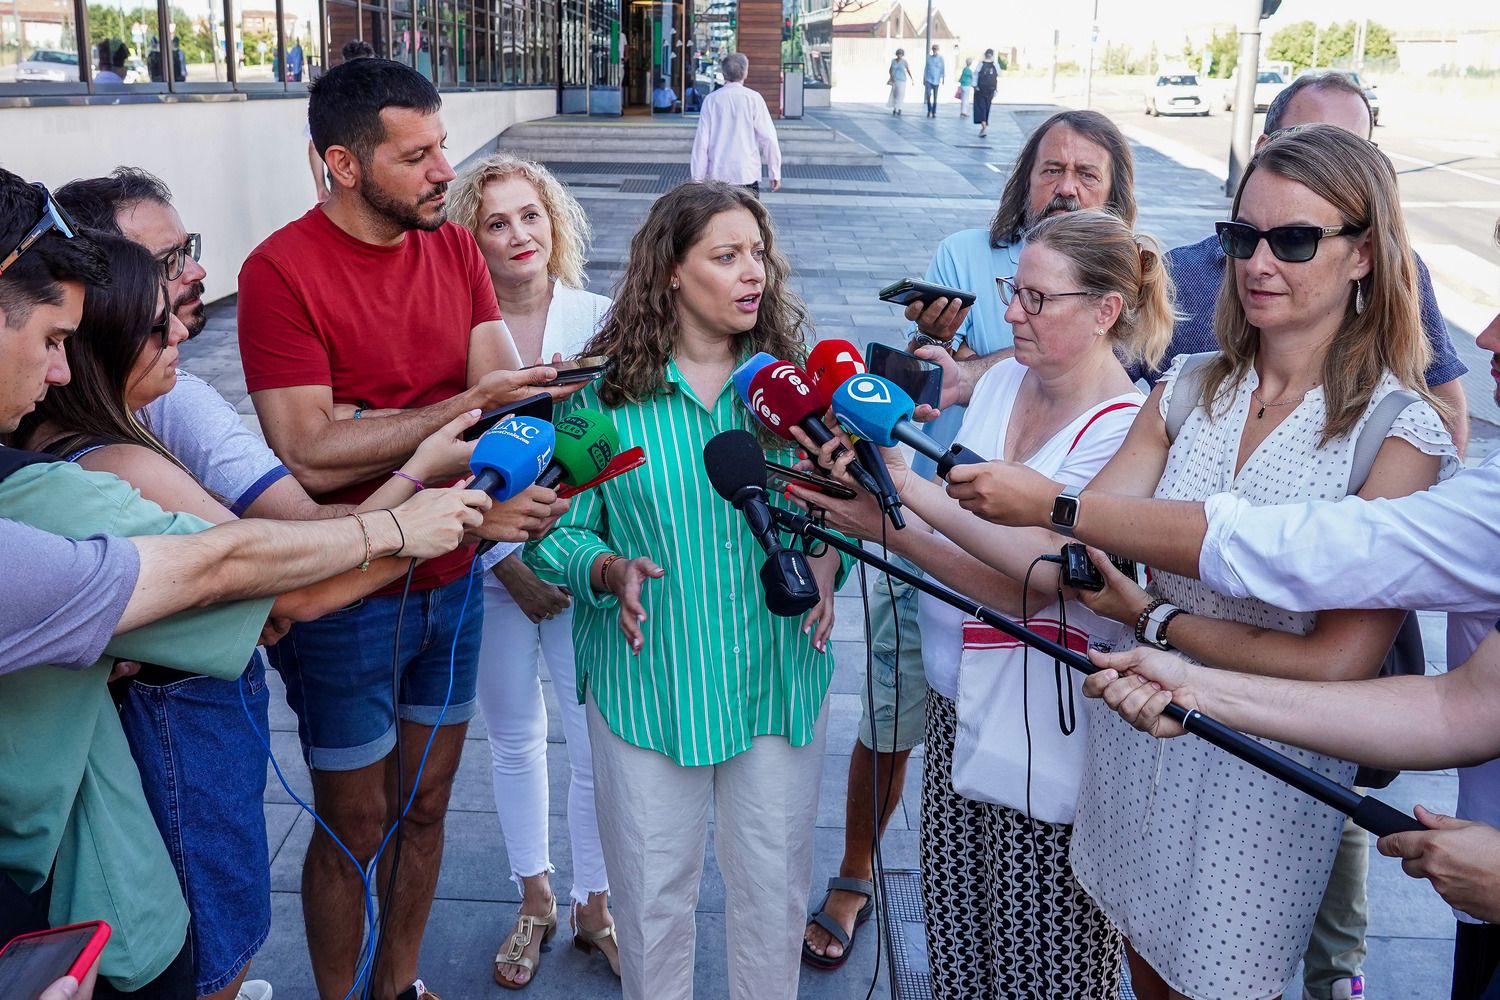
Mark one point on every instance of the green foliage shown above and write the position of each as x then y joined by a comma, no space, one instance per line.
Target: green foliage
1334,44
1225,51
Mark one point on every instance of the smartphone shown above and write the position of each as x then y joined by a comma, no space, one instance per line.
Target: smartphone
538,406
909,290
781,476
921,380
32,962
584,369
1080,573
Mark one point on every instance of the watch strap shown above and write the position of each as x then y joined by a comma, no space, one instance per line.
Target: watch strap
1058,507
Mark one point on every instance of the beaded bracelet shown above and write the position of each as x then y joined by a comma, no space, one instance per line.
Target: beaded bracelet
410,479
366,532
1140,623
609,561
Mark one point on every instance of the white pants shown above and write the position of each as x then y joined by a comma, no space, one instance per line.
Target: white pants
654,813
898,95
966,102
510,695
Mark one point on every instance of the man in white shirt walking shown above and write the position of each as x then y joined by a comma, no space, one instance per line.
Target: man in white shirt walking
735,133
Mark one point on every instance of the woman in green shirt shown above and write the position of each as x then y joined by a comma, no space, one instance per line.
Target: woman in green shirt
695,692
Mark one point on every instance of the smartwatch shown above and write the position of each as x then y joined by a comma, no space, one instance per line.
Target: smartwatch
1157,620
1065,511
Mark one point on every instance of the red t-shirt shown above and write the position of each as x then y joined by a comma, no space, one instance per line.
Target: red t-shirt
383,326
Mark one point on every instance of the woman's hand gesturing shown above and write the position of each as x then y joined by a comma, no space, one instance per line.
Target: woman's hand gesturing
625,579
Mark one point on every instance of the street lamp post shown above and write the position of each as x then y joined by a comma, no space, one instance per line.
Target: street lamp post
1088,78
1244,92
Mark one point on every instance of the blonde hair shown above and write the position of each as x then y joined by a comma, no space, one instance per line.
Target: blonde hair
1107,256
571,232
1353,176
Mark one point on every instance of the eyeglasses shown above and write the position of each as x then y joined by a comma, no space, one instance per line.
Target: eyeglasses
54,218
175,260
1292,244
1031,299
161,326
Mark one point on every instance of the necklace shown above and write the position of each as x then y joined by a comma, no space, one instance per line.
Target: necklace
1283,402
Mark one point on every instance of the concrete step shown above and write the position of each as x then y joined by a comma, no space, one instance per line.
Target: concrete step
668,142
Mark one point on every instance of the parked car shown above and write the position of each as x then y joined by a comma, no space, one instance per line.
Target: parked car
1370,95
48,66
1177,94
1268,83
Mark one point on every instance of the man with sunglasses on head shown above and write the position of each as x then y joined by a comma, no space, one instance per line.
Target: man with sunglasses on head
1198,268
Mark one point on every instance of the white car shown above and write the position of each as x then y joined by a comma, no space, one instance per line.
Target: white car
1268,83
1176,94
49,66
1370,95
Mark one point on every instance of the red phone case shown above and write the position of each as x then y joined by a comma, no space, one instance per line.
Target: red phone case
91,948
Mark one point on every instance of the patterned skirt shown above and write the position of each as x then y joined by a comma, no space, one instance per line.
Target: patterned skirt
1005,916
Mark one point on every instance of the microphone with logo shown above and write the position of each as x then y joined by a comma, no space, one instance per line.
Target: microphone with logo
830,364
878,409
747,371
508,458
736,468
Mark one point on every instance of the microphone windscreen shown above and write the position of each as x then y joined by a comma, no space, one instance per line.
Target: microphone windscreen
781,398
516,451
747,371
870,407
831,363
586,442
734,460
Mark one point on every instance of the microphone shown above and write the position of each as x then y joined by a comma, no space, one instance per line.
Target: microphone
830,364
747,371
878,409
586,443
736,468
782,398
510,456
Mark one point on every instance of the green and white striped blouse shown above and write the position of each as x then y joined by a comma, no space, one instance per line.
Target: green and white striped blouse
716,668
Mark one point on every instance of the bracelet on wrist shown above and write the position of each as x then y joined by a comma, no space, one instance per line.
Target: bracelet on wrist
1140,623
1161,619
410,479
609,561
398,529
366,533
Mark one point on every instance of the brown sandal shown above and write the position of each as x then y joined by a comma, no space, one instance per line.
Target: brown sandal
588,941
513,952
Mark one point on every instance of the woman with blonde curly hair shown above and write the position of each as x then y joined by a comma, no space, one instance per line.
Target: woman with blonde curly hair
697,694
534,236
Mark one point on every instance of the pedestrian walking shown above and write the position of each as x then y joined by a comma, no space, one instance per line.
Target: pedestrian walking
934,75
899,76
735,133
966,87
984,91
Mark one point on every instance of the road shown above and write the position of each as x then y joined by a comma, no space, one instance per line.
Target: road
1450,191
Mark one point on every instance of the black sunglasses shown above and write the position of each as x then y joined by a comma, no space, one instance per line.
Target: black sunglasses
175,259
160,327
54,218
1293,244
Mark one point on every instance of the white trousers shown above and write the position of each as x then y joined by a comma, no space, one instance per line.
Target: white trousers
654,816
966,102
898,95
510,695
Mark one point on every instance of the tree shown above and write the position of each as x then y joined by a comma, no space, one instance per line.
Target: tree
1294,44
851,6
1333,46
1224,51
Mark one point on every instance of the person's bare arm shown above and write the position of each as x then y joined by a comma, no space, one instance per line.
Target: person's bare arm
1457,423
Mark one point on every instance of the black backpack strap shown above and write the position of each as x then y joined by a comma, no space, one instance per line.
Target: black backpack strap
12,459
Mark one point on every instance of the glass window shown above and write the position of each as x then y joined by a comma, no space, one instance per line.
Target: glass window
448,46
516,43
424,23
403,41
303,41
372,29
483,53
255,40
121,35
196,52
342,26
38,42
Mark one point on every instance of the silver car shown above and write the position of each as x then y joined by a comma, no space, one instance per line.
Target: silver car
1177,94
48,66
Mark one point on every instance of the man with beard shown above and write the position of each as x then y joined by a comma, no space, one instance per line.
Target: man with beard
1075,160
373,301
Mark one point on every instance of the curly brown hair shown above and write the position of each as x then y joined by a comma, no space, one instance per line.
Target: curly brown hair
641,329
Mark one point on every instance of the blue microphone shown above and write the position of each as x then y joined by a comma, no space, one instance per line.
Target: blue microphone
747,371
510,456
879,410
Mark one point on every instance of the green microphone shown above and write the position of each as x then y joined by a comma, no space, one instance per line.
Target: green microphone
587,441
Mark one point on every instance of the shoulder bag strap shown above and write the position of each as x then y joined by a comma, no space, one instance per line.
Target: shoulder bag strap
1373,435
1187,392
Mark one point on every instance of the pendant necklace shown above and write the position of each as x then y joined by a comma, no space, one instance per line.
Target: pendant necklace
1283,402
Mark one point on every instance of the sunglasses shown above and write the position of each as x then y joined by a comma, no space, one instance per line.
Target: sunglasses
1031,299
54,219
161,326
1292,244
175,260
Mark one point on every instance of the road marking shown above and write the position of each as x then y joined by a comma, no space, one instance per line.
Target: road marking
1429,165
1174,150
1487,205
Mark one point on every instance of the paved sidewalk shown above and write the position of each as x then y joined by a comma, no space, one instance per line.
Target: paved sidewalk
845,240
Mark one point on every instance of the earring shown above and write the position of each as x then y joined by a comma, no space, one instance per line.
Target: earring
1359,298
674,284
1099,333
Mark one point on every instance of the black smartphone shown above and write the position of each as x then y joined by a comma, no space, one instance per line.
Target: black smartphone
1080,573
583,369
921,380
538,406
909,290
781,476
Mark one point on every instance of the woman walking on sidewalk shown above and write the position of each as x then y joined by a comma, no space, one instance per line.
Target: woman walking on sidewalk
966,87
984,91
899,76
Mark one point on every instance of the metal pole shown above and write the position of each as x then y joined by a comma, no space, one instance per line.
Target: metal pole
1244,94
1088,79
929,29
1056,41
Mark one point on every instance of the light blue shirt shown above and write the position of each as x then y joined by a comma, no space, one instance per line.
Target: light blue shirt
966,260
934,72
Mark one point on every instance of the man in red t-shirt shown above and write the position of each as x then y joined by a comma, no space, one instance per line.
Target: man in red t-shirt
373,299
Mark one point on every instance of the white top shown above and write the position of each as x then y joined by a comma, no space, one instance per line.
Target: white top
1212,868
573,316
210,438
983,431
735,134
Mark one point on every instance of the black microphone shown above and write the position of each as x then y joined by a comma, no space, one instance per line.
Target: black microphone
736,468
886,495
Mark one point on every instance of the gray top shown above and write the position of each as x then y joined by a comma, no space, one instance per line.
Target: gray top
70,598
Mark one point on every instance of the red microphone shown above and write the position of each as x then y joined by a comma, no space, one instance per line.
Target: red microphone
782,397
830,364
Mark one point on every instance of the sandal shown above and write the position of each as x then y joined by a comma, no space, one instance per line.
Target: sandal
513,952
588,941
863,887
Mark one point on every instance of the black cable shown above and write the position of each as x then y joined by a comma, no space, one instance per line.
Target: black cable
883,935
388,901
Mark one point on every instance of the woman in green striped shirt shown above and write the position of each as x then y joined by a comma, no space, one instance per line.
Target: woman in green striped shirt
696,693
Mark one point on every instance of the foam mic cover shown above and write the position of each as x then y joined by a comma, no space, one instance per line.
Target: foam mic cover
746,371
781,398
872,407
734,462
510,456
832,363
587,441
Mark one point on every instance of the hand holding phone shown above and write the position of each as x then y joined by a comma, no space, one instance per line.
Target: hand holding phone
1080,573
32,963
921,379
781,476
584,369
538,406
909,290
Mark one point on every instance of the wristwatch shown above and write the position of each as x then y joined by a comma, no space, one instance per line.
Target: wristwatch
1065,511
1157,620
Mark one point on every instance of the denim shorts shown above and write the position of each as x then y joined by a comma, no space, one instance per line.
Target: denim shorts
338,671
898,719
204,773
